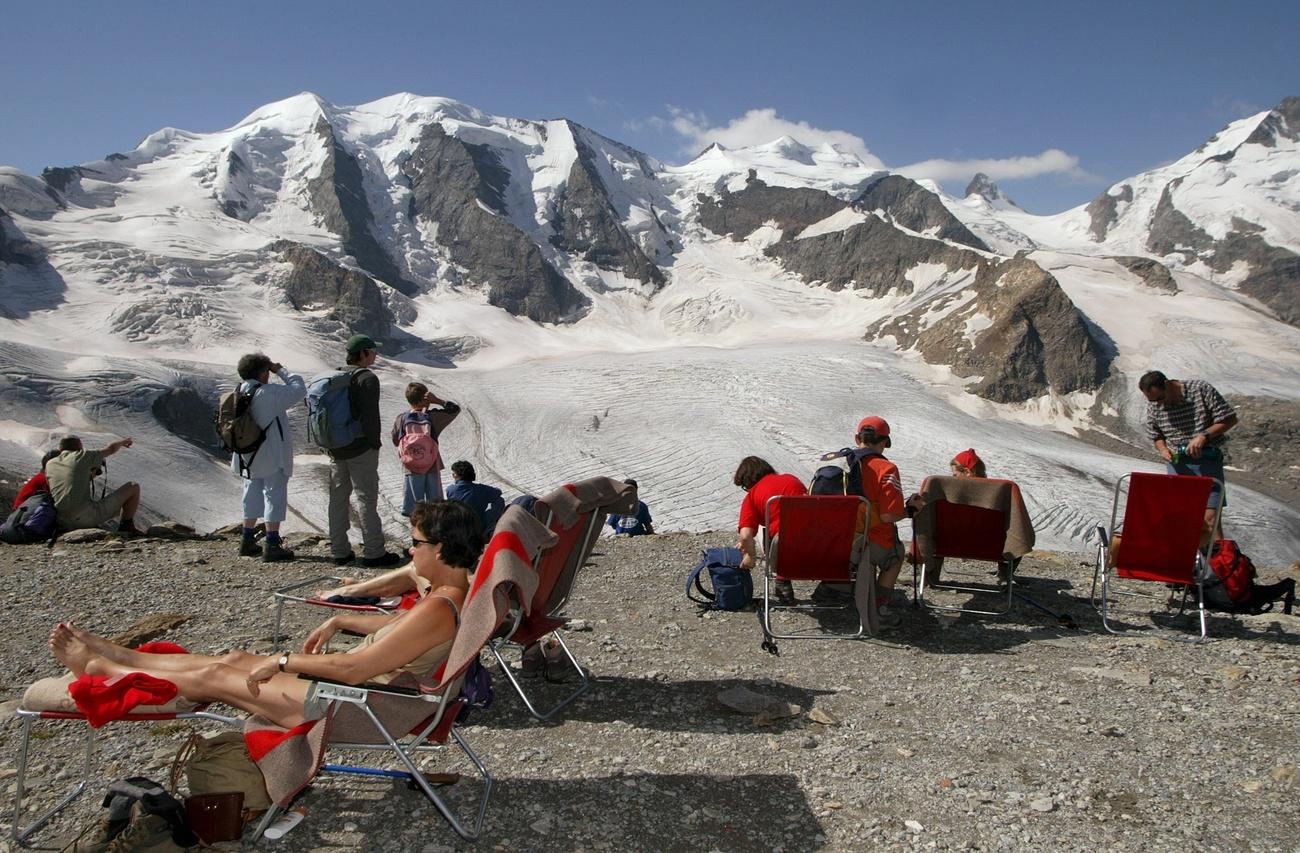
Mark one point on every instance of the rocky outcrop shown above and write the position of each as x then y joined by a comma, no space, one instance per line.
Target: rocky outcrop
350,298
916,209
1266,439
62,178
338,197
873,256
1103,211
1153,273
184,412
739,214
1172,233
1282,122
587,225
460,187
1020,334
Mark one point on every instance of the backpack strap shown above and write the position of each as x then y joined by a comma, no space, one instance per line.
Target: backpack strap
706,599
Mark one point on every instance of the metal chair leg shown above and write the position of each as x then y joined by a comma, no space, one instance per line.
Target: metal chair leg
19,833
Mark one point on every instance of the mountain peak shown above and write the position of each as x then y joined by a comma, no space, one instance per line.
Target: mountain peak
982,185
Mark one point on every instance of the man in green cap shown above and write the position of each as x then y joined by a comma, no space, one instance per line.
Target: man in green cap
355,466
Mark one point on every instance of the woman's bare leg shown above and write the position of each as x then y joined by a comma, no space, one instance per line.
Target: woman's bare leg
206,680
136,661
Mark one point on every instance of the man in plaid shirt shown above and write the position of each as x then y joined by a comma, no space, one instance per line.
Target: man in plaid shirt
1187,419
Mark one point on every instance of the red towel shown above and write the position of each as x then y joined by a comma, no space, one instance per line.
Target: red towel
104,700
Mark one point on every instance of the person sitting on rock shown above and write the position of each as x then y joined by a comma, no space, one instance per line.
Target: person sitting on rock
37,483
268,469
761,483
640,524
446,541
486,500
70,474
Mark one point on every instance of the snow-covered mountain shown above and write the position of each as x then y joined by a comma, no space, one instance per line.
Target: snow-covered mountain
600,312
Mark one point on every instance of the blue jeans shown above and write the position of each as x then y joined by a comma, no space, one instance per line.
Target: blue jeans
267,497
1212,468
421,487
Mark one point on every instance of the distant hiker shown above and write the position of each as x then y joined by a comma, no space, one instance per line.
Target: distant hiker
355,465
415,435
1186,420
38,482
761,483
877,479
268,469
640,524
486,500
70,474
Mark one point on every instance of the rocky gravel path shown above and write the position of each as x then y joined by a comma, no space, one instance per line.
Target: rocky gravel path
946,733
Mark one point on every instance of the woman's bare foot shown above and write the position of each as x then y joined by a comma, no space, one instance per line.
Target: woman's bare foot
70,650
100,646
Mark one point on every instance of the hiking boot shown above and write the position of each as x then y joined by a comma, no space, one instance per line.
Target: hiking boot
827,594
559,668
345,559
129,530
248,547
274,552
534,662
783,593
386,560
888,617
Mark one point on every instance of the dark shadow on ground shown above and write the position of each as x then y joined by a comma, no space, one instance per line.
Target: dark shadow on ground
646,703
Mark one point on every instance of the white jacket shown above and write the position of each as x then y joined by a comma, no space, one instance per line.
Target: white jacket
270,402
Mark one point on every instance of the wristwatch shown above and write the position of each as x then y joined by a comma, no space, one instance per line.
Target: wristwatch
283,661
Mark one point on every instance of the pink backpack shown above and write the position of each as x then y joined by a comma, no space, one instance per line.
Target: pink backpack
418,449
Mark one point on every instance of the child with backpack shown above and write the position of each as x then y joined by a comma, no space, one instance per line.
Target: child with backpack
877,479
415,435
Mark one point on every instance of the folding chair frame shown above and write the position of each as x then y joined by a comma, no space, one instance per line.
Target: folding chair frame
772,556
1102,568
20,834
498,644
290,593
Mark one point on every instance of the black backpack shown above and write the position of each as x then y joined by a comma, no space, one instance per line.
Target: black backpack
834,480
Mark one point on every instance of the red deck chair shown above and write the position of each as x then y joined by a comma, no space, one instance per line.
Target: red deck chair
575,513
48,700
969,519
292,594
820,538
1160,538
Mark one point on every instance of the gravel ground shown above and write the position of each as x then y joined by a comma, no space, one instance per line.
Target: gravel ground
946,733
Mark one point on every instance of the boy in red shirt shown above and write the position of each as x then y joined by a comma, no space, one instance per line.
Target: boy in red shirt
876,478
761,483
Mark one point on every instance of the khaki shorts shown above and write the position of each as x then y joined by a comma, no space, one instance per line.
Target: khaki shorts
96,513
881,558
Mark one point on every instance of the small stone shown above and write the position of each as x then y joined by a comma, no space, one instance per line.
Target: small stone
541,827
820,715
913,825
1234,673
904,753
1283,772
809,742
1043,804
1252,786
945,783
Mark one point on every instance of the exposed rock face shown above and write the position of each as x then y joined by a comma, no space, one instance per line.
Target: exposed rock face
1103,211
984,187
1273,271
740,213
586,223
1266,439
1283,122
235,205
338,196
1020,333
60,178
457,185
917,209
1152,272
873,256
315,282
187,415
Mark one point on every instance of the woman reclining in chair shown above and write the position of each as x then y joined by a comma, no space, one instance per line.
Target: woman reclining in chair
446,541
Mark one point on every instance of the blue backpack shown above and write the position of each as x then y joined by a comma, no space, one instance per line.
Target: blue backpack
34,521
733,588
330,422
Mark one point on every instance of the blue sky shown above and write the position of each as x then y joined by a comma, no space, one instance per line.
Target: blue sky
1064,99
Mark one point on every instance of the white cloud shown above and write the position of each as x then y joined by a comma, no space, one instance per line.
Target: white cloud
758,127
1051,161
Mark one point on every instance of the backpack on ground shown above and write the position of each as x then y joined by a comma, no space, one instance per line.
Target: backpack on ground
330,421
733,588
418,446
236,427
142,817
1228,583
35,520
476,690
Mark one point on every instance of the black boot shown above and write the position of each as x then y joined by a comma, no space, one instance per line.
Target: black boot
248,546
274,552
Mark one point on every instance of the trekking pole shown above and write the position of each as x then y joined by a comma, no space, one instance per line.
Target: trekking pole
1064,619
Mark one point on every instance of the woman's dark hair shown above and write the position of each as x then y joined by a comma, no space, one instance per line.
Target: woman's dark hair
455,526
253,365
49,454
751,470
463,470
1152,379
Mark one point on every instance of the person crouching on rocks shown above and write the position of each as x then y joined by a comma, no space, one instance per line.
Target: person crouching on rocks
266,489
761,483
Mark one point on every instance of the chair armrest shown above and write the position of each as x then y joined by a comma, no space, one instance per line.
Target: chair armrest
372,687
285,591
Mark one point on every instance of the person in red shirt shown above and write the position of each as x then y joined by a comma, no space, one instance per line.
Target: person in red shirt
876,478
761,483
38,483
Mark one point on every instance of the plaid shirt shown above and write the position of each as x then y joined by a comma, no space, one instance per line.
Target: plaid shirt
1201,407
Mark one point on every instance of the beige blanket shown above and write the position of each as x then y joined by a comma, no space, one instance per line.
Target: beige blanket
1001,495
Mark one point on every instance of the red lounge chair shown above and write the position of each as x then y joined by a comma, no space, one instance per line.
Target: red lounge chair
820,538
970,519
1160,538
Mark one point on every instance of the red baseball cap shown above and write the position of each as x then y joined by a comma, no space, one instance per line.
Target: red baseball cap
877,426
967,459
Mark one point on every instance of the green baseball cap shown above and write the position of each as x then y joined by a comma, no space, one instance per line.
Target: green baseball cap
357,343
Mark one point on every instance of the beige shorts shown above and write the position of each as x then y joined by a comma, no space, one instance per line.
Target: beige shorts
96,513
881,558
